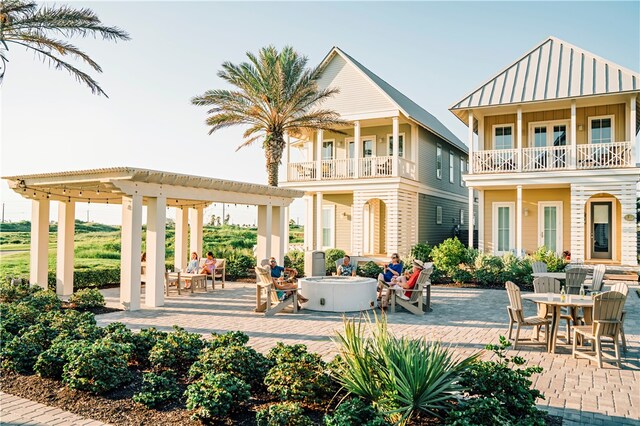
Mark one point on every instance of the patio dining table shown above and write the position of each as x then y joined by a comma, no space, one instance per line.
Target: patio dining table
197,280
557,275
554,303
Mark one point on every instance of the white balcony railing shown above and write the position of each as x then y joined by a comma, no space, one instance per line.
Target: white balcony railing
300,172
345,168
337,169
376,166
495,161
604,155
407,169
545,158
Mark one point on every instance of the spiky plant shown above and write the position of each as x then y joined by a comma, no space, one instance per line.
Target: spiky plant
23,23
276,94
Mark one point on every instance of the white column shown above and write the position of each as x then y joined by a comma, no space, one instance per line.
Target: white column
471,214
181,252
396,146
286,230
519,220
308,222
481,220
470,142
632,129
265,221
156,223
357,149
195,226
519,139
39,243
573,155
277,232
320,138
131,248
318,221
64,260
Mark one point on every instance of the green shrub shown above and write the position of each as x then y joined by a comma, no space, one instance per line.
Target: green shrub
283,414
295,260
422,252
355,412
242,362
157,389
369,270
87,298
239,264
176,351
96,366
214,395
488,269
72,325
506,382
43,301
555,262
10,293
478,411
331,256
454,259
517,270
297,374
18,316
230,338
143,342
50,363
21,353
95,277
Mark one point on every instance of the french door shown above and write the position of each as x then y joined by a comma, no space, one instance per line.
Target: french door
550,225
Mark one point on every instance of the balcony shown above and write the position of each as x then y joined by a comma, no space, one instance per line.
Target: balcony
345,168
549,158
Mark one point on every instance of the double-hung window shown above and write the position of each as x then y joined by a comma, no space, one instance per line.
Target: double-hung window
601,129
328,226
439,162
461,171
503,227
400,145
451,168
503,136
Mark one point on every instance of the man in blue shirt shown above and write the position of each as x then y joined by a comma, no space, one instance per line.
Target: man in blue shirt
277,271
390,271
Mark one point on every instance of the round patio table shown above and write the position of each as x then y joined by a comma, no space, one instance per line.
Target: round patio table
554,303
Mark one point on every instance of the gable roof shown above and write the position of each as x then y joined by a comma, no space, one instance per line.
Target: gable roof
554,69
404,104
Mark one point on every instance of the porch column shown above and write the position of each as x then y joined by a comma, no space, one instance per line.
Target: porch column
357,149
396,147
519,220
632,129
195,225
39,243
285,231
308,222
265,222
318,221
277,232
471,216
481,220
573,154
182,254
320,138
470,142
519,139
131,248
64,261
156,222
578,223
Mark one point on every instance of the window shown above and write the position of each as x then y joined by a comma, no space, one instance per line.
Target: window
548,134
461,217
438,215
352,149
461,171
451,168
328,226
503,227
400,146
327,150
540,136
601,129
503,137
367,148
439,162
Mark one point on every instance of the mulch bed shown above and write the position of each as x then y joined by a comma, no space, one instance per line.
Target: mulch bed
96,311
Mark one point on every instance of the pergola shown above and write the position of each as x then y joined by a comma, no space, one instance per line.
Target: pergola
158,190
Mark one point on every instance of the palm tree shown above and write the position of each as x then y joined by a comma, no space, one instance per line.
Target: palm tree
276,95
25,24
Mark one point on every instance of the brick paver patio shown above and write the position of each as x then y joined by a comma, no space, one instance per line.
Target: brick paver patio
19,411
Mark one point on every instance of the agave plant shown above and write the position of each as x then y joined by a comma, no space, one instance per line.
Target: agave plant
400,376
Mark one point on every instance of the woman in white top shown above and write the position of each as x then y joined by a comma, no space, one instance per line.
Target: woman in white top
192,267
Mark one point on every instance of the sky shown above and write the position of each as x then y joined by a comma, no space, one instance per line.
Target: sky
433,52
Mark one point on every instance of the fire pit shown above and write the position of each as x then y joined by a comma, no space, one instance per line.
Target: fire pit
339,294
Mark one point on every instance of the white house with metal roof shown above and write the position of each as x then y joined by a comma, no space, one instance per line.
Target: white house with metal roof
390,180
552,142
158,191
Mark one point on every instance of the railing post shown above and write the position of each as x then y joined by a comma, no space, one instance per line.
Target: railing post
573,155
470,140
519,139
356,149
319,154
396,147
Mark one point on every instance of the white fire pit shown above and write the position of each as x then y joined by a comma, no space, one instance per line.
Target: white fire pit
339,294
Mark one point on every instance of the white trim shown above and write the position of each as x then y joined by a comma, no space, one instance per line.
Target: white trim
439,147
600,117
404,144
452,167
333,149
493,134
549,125
332,228
614,230
494,226
559,221
462,171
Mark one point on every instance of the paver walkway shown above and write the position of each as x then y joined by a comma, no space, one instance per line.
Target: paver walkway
23,412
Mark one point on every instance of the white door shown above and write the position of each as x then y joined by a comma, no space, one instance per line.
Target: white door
550,225
504,225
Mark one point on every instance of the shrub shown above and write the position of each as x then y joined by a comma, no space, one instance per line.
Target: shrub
143,342
453,258
239,264
510,386
555,263
355,412
283,414
295,260
297,374
517,270
242,362
369,270
96,366
215,395
176,351
157,389
72,325
14,292
21,353
488,269
18,317
50,363
43,301
87,298
421,252
230,338
478,411
331,256
95,277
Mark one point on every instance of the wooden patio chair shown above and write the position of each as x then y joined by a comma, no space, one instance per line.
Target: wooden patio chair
539,267
597,279
170,281
516,316
575,280
624,289
607,319
551,285
219,272
271,304
415,304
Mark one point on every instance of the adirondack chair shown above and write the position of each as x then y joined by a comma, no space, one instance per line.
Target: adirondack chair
267,300
516,316
551,285
170,281
607,320
575,280
539,267
415,303
597,279
624,289
219,272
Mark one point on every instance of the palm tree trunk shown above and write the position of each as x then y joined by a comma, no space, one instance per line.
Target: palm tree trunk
273,153
272,173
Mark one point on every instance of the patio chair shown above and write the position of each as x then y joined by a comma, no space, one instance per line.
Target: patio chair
607,320
415,303
516,316
598,278
339,262
170,281
575,280
219,272
539,267
550,285
624,289
271,304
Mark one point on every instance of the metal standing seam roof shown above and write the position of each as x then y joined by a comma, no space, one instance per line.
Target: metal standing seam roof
552,70
406,105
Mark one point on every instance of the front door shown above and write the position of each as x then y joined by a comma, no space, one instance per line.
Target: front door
601,230
550,225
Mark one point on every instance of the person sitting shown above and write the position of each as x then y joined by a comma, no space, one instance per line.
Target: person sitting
192,267
209,265
402,283
346,269
390,271
278,271
285,286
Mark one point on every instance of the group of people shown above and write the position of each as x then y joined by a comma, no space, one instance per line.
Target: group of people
193,267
